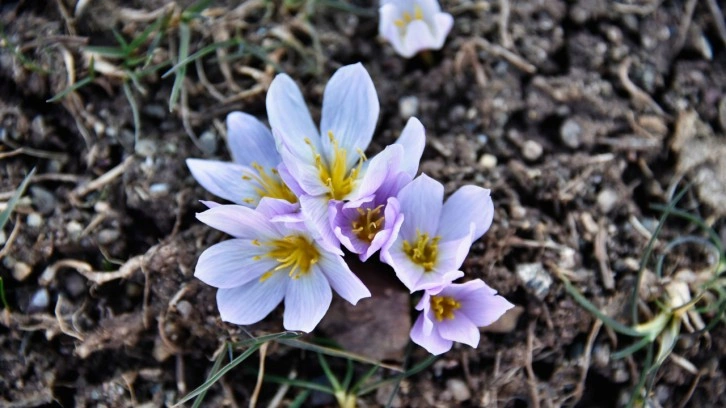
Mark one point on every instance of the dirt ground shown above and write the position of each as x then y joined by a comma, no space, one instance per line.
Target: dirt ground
579,116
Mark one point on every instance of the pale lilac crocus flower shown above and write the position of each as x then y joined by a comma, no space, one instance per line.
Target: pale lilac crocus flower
330,163
435,237
256,170
454,313
412,26
268,260
363,226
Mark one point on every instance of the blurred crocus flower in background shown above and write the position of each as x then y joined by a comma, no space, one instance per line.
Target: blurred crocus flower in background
412,26
268,260
256,170
455,313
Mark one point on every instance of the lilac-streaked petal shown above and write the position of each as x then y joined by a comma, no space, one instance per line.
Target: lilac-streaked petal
429,8
433,342
387,28
289,180
452,254
459,329
223,179
377,172
435,279
250,141
303,170
421,202
231,263
239,222
418,37
315,212
413,140
250,303
483,308
275,207
290,117
406,271
306,301
342,279
350,112
469,205
210,204
391,225
443,22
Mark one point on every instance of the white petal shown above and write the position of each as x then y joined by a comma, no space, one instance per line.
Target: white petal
289,115
302,169
377,172
418,37
413,140
342,279
306,301
239,222
250,141
350,111
387,29
406,271
452,254
250,303
315,210
469,205
223,179
232,263
434,280
459,329
421,202
433,342
442,23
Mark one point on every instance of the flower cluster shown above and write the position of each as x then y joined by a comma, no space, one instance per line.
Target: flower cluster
301,192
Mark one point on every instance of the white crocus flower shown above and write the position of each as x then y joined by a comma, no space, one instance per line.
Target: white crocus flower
412,26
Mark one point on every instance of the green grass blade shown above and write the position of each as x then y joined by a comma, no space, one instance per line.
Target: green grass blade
195,9
138,41
413,370
335,353
361,382
308,385
693,219
300,399
328,372
5,214
607,320
268,337
215,367
630,349
181,73
649,249
106,51
121,40
134,111
183,62
349,371
2,295
634,396
60,95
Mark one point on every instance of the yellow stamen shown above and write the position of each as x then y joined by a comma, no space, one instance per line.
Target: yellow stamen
270,185
424,250
406,17
335,174
444,307
294,253
369,222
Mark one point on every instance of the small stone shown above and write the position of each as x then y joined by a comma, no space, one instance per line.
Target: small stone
458,389
159,188
108,236
39,301
43,200
146,148
74,228
408,106
74,284
21,271
34,220
208,142
535,278
531,150
570,133
607,199
488,161
184,308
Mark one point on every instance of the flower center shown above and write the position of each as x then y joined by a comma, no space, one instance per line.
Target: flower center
406,17
368,223
423,251
443,307
269,185
294,252
335,174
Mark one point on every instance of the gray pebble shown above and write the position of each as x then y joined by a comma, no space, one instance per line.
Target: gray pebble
531,150
108,236
184,308
39,301
458,389
208,142
408,106
535,278
146,148
570,133
43,199
607,199
34,220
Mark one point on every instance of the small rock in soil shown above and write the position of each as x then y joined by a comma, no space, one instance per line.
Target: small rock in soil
488,161
208,142
458,389
21,271
570,133
408,106
43,200
39,301
535,278
74,284
184,308
34,220
146,148
531,150
607,199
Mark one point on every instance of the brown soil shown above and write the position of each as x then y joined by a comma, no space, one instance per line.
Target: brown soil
571,112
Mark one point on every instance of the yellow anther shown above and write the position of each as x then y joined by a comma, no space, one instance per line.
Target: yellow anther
294,253
368,224
423,251
407,17
256,242
268,184
417,12
334,173
444,307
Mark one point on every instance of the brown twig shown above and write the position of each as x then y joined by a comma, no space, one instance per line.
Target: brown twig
502,52
585,362
260,375
85,269
11,238
62,323
637,94
101,181
531,378
504,11
601,254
